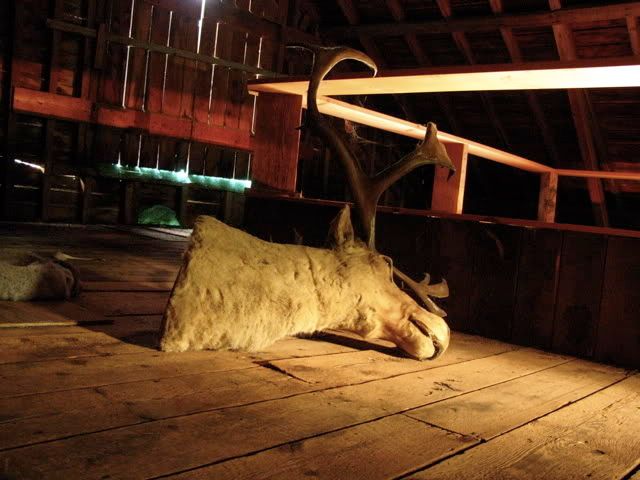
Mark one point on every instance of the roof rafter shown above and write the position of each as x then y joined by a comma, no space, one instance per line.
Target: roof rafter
494,22
582,118
463,45
398,13
634,33
350,11
515,53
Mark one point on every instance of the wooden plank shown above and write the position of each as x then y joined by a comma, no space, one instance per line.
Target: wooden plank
124,303
453,253
593,438
45,313
174,75
33,348
236,88
112,87
564,74
488,413
221,75
138,66
448,193
492,296
80,110
189,42
126,286
204,84
275,159
19,379
579,293
537,283
401,445
45,417
493,22
548,197
382,360
157,61
200,439
618,334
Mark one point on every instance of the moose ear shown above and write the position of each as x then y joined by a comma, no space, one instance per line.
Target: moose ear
341,231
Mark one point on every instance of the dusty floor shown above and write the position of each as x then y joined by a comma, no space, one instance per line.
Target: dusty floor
84,393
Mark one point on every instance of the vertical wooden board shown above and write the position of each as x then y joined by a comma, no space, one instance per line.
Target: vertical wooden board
31,45
237,92
157,61
113,73
276,144
189,42
492,302
536,287
619,327
107,145
168,153
251,59
453,253
406,239
175,68
137,75
221,75
212,159
130,148
197,158
203,83
149,151
579,293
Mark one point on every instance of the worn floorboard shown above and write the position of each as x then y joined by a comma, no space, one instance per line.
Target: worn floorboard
84,393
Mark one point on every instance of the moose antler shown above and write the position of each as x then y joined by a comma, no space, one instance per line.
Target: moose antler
367,190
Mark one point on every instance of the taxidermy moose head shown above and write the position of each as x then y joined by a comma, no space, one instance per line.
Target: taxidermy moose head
238,292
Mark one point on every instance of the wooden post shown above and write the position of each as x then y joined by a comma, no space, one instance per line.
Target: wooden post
277,141
448,193
547,198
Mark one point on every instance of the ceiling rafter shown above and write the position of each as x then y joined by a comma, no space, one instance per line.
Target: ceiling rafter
352,15
515,53
581,110
398,13
634,33
463,45
494,22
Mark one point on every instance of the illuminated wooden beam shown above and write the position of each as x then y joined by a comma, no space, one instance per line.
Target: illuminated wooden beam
493,22
592,73
364,116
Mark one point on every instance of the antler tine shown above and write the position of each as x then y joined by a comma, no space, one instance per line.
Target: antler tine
429,151
361,186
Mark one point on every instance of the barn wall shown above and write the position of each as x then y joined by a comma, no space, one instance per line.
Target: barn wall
138,107
568,290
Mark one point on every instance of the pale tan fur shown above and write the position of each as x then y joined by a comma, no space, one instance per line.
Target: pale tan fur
40,280
238,292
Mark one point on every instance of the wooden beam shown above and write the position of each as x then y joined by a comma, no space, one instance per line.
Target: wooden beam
515,53
493,22
578,100
277,141
398,14
461,41
634,33
587,73
548,197
448,193
363,116
81,110
350,12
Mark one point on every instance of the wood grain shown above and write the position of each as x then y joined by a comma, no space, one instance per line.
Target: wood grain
594,438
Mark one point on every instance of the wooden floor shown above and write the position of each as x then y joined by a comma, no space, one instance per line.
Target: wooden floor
84,394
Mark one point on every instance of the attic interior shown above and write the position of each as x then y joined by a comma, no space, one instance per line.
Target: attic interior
123,122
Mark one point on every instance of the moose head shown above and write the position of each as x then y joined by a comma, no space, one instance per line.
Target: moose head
238,292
